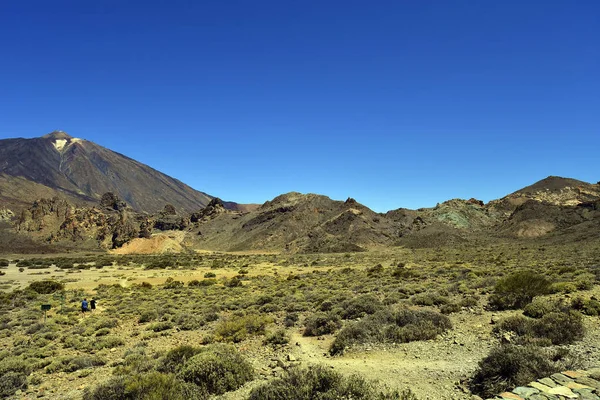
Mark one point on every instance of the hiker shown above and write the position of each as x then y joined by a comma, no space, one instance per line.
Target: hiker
93,304
84,306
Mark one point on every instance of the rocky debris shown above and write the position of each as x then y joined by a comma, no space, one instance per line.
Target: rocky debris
112,201
578,384
214,208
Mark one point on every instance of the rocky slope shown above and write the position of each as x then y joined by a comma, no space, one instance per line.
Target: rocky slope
554,209
80,171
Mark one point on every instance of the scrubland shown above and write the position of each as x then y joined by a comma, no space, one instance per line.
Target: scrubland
444,323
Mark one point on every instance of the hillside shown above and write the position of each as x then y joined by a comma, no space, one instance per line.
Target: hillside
548,210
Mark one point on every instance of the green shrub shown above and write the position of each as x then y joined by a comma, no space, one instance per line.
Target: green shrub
147,316
171,283
237,328
46,287
588,307
429,299
160,326
360,306
217,369
401,326
210,275
149,386
320,382
277,337
542,306
321,323
553,328
509,366
10,382
175,358
519,289
71,364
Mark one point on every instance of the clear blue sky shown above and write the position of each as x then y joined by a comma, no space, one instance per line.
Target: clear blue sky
394,103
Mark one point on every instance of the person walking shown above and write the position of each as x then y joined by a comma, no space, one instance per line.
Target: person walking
84,306
93,304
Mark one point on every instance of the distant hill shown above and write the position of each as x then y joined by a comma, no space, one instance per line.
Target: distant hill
82,171
553,209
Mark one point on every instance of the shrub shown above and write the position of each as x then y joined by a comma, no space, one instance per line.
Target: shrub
320,382
11,382
517,290
160,326
540,307
149,386
46,287
210,275
360,306
71,364
171,283
587,307
277,337
429,299
237,328
401,326
450,308
217,369
234,282
147,316
320,323
509,366
553,328
175,358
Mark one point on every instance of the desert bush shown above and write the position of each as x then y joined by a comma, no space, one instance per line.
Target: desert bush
234,282
542,306
189,321
237,328
173,361
217,369
171,283
401,326
147,316
46,287
149,386
321,323
160,326
588,307
518,289
145,285
14,364
210,275
277,337
450,308
553,328
71,364
290,319
10,382
3,263
108,342
509,366
360,306
429,299
320,382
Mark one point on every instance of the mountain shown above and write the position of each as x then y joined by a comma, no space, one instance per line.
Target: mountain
81,171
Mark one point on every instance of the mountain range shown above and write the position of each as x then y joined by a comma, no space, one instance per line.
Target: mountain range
61,193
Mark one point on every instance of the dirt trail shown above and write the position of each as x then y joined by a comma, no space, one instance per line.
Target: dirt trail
431,369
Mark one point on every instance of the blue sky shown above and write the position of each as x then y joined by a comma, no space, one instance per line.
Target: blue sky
394,103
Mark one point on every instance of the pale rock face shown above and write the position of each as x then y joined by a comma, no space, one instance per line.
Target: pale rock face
59,144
